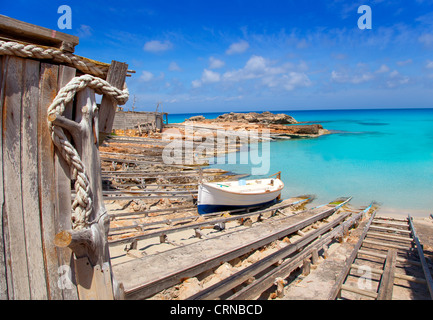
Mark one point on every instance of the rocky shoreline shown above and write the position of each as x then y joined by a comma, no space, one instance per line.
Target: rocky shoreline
281,126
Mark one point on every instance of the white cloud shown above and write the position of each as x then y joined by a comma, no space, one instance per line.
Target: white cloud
357,78
174,67
429,64
405,62
238,47
383,69
271,75
157,46
146,76
396,79
210,76
84,31
196,83
295,79
215,63
426,39
256,67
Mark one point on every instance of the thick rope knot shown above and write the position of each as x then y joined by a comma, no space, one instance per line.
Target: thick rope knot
33,51
82,204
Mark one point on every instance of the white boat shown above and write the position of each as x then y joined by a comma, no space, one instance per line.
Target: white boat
228,195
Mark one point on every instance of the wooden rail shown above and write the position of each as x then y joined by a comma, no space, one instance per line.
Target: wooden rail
154,286
238,278
322,237
425,267
200,224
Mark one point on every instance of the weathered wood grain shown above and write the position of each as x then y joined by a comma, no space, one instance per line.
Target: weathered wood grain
3,273
116,77
63,189
387,280
47,187
19,272
20,30
29,176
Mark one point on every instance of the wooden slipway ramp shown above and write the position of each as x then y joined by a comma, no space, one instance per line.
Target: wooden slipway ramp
146,276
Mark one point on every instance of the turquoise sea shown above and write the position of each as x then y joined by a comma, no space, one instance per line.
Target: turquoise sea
380,155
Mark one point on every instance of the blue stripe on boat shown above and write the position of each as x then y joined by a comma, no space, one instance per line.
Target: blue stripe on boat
210,208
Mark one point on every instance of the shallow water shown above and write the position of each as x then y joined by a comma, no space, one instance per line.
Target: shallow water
380,155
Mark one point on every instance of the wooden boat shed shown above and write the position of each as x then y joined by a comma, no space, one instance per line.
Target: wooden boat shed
54,245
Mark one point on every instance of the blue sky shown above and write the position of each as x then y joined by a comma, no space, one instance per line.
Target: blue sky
210,56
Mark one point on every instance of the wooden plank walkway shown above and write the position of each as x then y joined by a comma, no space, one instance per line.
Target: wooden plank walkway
144,276
393,246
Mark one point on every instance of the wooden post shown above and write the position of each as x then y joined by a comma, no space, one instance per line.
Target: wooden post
107,109
306,267
17,273
3,262
315,256
63,183
90,245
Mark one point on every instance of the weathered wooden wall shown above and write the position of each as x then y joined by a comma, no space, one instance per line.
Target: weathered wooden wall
129,120
35,189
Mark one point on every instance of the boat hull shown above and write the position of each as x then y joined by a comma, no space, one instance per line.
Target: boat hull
213,199
208,208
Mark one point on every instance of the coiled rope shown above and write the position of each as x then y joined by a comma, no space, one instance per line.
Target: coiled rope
82,204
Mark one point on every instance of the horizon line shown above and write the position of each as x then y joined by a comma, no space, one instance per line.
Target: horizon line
283,110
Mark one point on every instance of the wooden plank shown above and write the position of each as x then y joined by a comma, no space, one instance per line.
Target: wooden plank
396,275
386,245
359,291
387,280
3,272
107,109
390,229
422,259
388,237
389,223
63,188
383,256
24,31
29,169
289,265
222,220
349,261
238,278
47,187
12,180
147,289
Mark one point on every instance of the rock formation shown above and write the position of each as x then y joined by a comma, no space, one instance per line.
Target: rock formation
251,117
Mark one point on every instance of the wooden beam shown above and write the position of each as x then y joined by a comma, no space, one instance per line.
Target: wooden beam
359,291
48,88
3,254
29,168
63,189
107,109
23,31
387,280
18,277
423,261
286,268
349,261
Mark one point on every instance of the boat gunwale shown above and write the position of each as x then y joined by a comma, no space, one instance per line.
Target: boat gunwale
208,184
